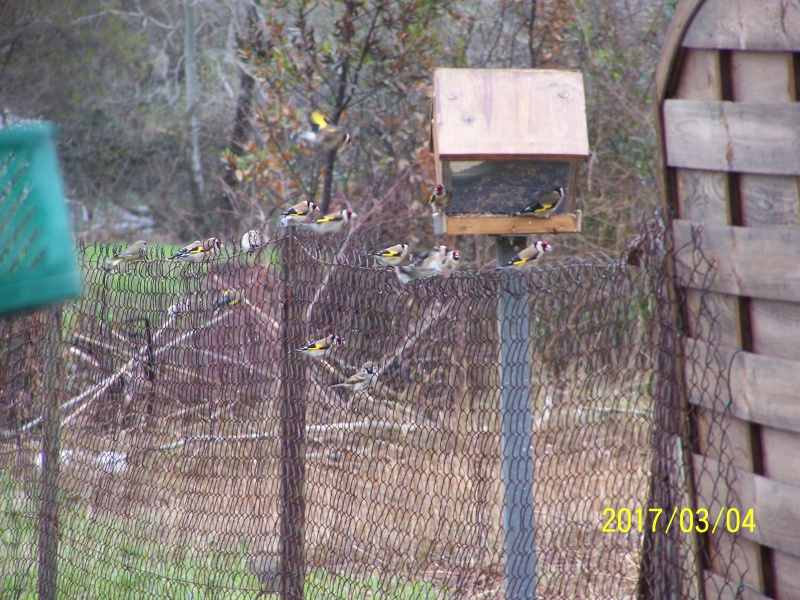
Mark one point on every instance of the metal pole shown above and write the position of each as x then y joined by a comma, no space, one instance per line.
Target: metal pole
51,455
517,428
293,445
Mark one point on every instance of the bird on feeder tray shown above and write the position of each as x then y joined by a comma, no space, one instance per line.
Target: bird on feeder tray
332,223
321,348
527,257
544,206
440,198
391,256
133,253
298,213
324,133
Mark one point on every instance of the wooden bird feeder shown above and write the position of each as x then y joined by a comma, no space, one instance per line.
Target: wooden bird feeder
501,139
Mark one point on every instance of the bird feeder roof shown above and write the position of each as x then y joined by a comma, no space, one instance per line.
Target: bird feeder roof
509,113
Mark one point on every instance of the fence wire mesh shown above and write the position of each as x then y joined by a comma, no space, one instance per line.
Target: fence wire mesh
197,447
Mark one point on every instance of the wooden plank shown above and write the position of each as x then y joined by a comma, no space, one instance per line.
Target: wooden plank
763,389
762,77
699,77
780,451
745,137
500,225
712,316
764,25
720,588
718,431
735,259
776,505
775,327
672,54
510,112
786,568
769,200
703,196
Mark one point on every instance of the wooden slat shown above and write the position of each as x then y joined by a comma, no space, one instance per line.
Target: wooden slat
786,569
762,77
700,76
776,504
718,587
780,449
763,25
763,389
703,196
500,225
774,328
769,200
757,262
672,54
745,137
510,112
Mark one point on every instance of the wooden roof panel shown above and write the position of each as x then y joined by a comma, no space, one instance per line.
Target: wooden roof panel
509,113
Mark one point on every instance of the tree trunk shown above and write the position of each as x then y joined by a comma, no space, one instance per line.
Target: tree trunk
192,105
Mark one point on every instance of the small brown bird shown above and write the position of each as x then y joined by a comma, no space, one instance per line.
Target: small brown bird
440,198
426,265
391,256
332,223
366,377
527,257
251,240
450,262
325,134
198,251
544,206
298,213
321,348
133,253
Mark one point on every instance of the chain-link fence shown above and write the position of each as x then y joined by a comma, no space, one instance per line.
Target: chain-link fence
196,454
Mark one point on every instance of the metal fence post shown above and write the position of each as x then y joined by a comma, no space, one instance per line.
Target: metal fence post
47,584
293,445
517,429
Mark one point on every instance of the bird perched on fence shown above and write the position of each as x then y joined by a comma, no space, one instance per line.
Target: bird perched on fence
229,298
251,240
321,348
391,256
440,198
267,569
544,206
450,262
298,213
527,257
198,251
365,377
332,223
426,265
181,307
325,134
133,253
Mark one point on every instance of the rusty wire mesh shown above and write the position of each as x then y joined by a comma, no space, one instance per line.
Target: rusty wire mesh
188,435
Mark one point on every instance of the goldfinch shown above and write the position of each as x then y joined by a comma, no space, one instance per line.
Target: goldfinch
426,265
298,213
133,253
321,348
229,298
179,308
440,198
391,256
324,133
527,257
544,206
332,223
251,240
450,262
366,377
198,251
